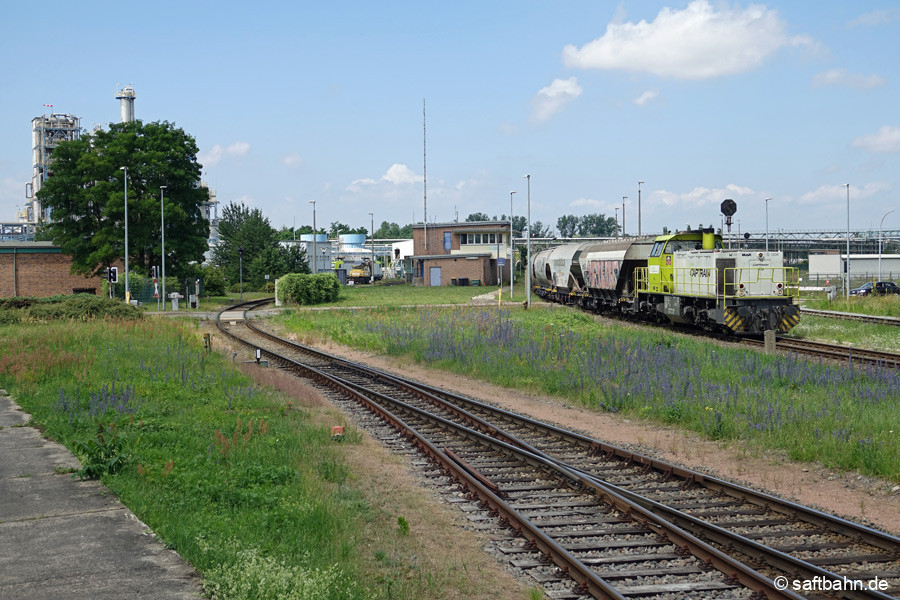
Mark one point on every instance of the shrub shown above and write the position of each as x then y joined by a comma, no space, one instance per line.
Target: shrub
309,289
214,282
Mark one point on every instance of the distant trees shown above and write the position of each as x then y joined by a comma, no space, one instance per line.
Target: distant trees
86,197
593,225
241,228
393,231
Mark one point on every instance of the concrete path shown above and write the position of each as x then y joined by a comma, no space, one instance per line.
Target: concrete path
64,539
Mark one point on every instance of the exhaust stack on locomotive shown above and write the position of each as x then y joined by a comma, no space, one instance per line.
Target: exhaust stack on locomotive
687,277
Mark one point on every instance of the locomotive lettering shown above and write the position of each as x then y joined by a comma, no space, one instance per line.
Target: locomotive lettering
700,273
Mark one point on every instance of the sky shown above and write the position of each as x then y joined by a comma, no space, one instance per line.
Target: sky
293,102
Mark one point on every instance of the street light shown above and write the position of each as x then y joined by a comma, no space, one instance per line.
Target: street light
162,231
314,254
127,288
528,247
639,207
623,214
372,270
617,223
847,278
512,250
241,262
767,224
879,241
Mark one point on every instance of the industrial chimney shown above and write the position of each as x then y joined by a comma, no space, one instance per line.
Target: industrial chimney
126,96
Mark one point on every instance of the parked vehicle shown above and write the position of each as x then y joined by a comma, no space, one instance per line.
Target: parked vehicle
876,288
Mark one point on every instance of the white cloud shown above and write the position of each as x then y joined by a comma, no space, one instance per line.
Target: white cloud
396,175
292,160
838,193
701,196
399,174
217,153
551,99
876,17
844,78
698,42
646,97
886,139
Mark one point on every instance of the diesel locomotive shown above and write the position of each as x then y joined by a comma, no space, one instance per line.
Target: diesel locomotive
688,277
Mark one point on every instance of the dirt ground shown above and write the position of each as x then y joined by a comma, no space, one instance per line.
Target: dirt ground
850,495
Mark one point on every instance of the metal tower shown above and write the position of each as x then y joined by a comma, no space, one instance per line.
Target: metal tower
126,96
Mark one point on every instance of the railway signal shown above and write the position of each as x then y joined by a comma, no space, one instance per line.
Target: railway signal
112,274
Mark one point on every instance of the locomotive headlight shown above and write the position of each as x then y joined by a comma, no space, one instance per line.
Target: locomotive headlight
760,255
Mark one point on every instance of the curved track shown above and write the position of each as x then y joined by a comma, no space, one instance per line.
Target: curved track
514,454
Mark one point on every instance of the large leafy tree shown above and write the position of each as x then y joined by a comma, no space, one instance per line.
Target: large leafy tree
86,197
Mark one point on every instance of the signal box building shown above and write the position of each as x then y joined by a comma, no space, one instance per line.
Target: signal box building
40,269
461,253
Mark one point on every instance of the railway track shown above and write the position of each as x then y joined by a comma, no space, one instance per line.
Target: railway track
587,509
847,354
851,316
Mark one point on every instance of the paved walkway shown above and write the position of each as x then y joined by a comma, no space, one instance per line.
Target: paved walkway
61,538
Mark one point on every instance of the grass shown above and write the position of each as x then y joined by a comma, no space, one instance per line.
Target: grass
841,331
243,481
843,417
405,294
881,306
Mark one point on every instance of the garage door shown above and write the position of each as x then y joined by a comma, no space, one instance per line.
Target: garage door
434,276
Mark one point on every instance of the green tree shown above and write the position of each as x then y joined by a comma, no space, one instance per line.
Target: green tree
242,228
393,231
592,225
477,217
342,229
247,229
86,198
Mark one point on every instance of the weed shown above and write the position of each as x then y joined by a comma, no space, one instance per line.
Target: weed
402,526
103,455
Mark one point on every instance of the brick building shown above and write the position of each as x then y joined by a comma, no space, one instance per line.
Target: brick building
40,269
461,253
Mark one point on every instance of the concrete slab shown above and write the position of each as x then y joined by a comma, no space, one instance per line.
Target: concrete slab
108,554
25,452
10,413
23,498
62,538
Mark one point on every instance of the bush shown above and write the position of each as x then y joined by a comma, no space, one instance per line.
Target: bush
79,307
309,289
214,282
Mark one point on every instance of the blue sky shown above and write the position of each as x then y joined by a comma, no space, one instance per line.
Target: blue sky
292,102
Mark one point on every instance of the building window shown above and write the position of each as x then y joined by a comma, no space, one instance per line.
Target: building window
448,240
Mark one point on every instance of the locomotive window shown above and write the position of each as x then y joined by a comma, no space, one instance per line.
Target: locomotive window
657,248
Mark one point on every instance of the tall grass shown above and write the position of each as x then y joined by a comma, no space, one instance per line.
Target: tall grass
245,487
842,416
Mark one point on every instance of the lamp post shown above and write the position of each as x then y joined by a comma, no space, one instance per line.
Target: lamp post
127,289
617,223
528,247
767,224
241,262
639,207
512,249
315,256
847,278
372,274
623,214
880,225
162,235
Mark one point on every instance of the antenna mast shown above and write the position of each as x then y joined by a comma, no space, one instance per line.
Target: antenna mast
425,172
